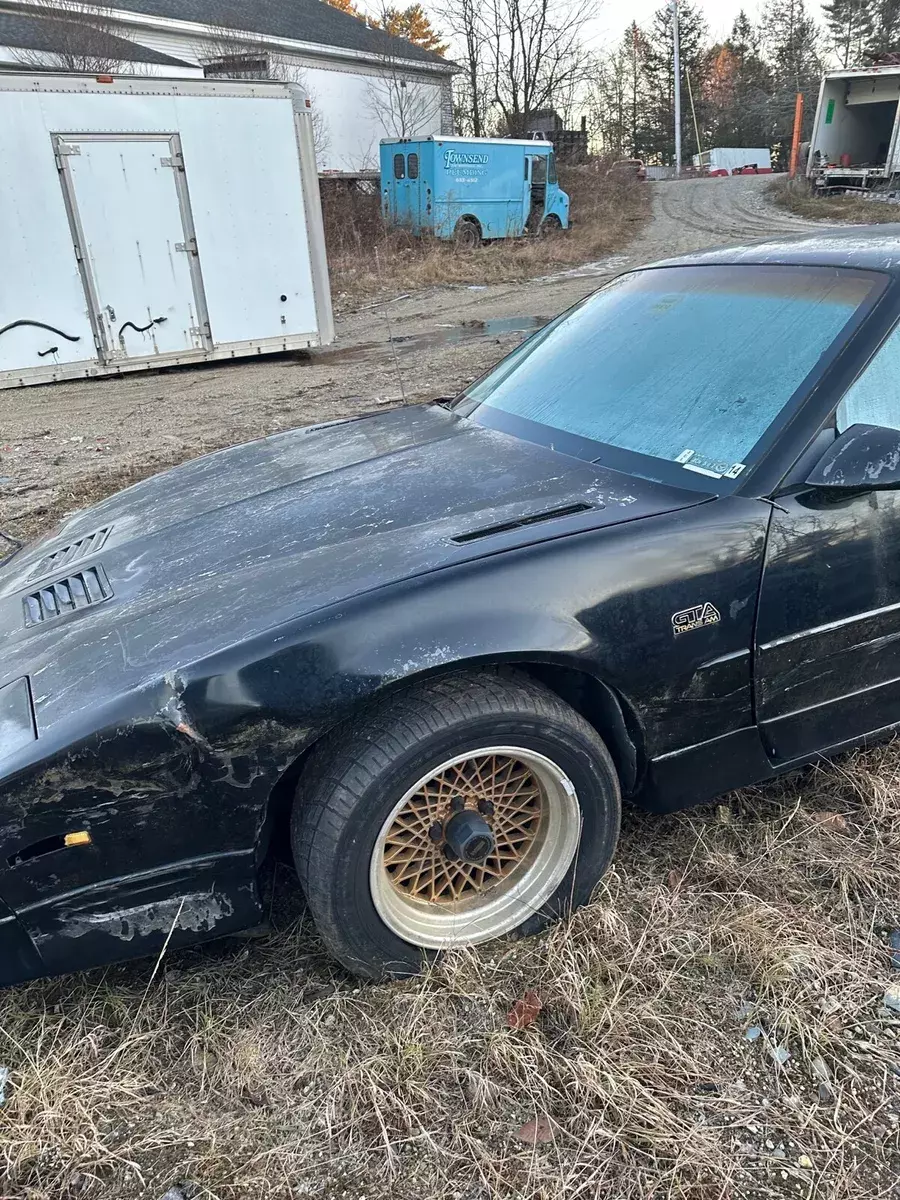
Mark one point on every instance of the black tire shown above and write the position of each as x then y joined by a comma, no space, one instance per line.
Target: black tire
467,234
550,226
359,772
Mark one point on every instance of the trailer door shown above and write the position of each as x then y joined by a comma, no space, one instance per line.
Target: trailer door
130,215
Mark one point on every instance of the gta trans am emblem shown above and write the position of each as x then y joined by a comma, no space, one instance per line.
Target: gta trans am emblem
695,618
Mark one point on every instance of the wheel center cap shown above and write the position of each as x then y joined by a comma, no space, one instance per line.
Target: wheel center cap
469,836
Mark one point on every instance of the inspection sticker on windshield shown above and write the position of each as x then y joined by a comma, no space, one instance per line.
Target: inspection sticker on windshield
695,618
692,460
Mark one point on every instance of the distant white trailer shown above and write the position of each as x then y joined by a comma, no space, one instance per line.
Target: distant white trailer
149,222
855,141
735,160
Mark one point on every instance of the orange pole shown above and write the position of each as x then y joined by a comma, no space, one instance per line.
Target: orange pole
798,125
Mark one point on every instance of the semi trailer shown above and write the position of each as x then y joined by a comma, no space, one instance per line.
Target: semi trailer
854,144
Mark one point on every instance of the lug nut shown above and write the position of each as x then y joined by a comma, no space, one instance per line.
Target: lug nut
457,804
486,808
436,832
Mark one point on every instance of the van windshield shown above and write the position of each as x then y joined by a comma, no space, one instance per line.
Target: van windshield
676,369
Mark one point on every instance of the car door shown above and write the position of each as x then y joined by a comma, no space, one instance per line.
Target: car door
828,632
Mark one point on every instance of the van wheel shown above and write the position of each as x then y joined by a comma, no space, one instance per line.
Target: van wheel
466,235
458,811
550,225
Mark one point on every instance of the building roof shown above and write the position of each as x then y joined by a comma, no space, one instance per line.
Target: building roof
47,36
298,20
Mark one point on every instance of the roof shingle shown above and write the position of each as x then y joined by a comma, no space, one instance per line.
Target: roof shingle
42,35
300,20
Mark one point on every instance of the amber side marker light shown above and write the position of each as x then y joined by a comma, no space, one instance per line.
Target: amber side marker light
49,845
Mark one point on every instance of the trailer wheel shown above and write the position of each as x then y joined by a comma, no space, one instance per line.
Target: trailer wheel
467,234
459,810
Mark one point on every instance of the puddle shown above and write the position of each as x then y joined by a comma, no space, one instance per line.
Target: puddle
468,331
442,335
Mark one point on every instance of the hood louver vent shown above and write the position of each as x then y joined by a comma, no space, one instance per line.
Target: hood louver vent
68,555
78,591
489,530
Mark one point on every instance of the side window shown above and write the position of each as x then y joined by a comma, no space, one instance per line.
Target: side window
412,166
874,399
551,169
399,166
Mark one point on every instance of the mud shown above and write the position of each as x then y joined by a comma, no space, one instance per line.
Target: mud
65,445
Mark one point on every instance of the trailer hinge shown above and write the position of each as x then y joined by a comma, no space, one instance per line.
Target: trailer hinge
64,150
175,161
188,247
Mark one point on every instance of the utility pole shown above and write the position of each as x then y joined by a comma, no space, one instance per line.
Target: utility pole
677,89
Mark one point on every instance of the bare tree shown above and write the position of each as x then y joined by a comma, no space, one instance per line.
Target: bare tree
234,53
83,39
520,56
403,104
465,19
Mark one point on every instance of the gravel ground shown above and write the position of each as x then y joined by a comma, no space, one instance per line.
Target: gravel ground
64,445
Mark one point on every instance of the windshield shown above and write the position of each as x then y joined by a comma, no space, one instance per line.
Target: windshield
677,369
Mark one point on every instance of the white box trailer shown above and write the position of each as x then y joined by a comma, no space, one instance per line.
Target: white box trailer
735,160
854,140
148,223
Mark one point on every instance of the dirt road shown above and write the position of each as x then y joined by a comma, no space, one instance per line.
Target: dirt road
65,445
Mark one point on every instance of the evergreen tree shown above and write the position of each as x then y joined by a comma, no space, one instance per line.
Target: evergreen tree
884,42
658,139
792,43
618,96
851,25
738,88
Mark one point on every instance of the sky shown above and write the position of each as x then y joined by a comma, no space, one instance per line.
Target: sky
614,15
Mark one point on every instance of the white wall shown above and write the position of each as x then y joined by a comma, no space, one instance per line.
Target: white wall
358,110
356,103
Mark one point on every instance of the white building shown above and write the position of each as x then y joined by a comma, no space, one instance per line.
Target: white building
364,83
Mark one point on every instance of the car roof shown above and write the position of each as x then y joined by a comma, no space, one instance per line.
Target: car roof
874,247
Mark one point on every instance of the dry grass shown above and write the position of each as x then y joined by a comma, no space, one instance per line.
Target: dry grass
365,258
259,1070
796,196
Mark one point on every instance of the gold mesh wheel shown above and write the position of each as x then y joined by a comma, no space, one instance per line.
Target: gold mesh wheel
522,804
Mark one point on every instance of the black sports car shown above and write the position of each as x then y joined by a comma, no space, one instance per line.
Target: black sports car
652,554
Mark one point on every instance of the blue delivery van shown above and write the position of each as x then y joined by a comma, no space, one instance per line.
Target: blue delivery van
471,189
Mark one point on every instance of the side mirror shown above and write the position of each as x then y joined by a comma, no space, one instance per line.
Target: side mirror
863,457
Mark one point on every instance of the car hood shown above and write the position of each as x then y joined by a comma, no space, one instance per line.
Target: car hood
224,547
